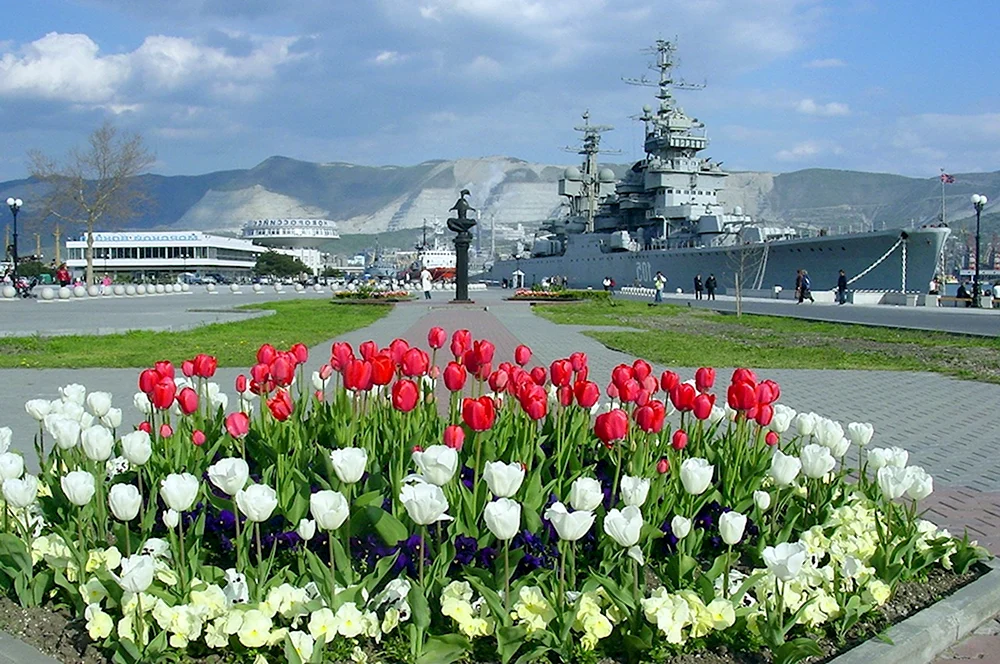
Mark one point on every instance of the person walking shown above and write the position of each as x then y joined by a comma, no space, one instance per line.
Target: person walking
798,285
697,287
607,284
425,283
711,285
660,281
805,288
842,288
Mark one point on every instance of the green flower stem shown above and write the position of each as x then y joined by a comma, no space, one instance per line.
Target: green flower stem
475,480
128,541
333,583
347,534
236,520
562,574
506,575
183,567
729,562
423,545
618,471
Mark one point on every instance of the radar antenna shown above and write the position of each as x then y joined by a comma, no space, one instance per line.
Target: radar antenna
590,148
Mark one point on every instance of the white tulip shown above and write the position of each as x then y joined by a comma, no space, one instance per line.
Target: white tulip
805,423
11,466
73,411
20,493
586,494
784,468
731,527
894,482
897,457
887,456
816,461
782,418
624,526
828,432
306,529
437,464
570,526
99,403
124,500
137,573
6,436
921,483
785,560
349,463
38,408
680,526
65,431
717,415
73,393
137,447
503,479
79,486
171,518
696,475
839,449
113,418
229,475
97,443
634,490
762,499
329,509
142,403
319,384
425,503
860,433
503,518
257,502
179,491
86,420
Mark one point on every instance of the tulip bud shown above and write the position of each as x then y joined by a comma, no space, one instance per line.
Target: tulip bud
124,501
454,436
680,526
171,518
503,518
522,355
237,424
166,431
306,529
145,427
436,337
679,440
662,466
731,527
762,499
198,437
771,438
187,399
187,368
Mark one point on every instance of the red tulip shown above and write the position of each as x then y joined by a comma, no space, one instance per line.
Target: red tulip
771,438
368,350
534,404
662,466
587,393
405,395
484,351
642,398
238,424
498,380
538,375
620,374
187,399
522,355
641,369
436,337
703,405
764,394
612,391
415,362
764,415
187,368
146,426
461,341
478,414
744,376
397,349
582,374
704,379
282,371
611,426
629,391
775,389
163,393
148,380
325,371
645,418
454,435
241,384
668,380
205,365
281,405
164,368
682,396
561,372
166,431
260,372
341,354
455,376
198,437
578,360
742,396
679,440
266,354
382,369
650,384
565,395
358,376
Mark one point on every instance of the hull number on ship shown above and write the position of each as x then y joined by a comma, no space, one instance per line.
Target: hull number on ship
643,271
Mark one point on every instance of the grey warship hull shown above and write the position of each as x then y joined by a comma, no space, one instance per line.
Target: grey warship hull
880,260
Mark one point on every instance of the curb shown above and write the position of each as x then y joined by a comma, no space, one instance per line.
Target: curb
922,637
15,651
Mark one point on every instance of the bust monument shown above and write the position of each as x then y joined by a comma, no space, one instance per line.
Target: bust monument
461,223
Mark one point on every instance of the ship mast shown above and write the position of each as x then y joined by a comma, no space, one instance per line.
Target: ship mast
589,177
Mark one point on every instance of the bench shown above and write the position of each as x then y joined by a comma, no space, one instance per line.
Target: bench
952,301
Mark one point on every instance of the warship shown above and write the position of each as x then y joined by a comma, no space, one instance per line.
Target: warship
665,216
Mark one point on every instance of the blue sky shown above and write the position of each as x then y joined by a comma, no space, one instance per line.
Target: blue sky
888,86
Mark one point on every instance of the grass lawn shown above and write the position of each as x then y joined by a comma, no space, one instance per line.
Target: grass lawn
234,344
682,336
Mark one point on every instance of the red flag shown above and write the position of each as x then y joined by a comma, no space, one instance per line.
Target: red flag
947,179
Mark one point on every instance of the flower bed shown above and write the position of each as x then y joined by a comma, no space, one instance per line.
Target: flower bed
366,294
545,295
341,515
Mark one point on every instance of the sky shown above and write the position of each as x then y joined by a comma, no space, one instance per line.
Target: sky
907,87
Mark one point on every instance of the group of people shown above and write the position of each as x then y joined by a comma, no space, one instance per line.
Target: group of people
708,287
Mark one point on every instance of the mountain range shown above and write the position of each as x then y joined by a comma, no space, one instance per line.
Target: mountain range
367,200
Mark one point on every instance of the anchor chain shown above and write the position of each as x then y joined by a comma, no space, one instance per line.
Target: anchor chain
879,262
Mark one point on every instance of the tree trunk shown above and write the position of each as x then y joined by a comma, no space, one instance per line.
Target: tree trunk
90,255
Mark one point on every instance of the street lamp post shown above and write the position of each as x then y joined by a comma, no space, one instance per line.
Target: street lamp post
15,205
978,202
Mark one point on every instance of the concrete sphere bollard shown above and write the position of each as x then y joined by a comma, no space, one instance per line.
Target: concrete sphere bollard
277,288
299,288
160,289
108,291
318,288
210,288
9,292
257,288
140,289
79,291
130,290
65,293
48,293
93,291
186,288
119,289
178,288
234,288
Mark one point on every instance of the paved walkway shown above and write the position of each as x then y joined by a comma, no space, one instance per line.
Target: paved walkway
928,414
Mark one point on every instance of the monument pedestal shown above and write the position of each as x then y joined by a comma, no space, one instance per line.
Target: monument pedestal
462,242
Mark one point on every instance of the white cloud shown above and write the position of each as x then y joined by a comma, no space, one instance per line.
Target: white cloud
484,67
388,58
810,107
825,63
63,66
808,150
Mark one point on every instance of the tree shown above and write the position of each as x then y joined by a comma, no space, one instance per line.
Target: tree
279,265
95,184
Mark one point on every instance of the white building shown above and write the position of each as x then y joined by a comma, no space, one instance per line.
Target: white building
301,237
159,254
